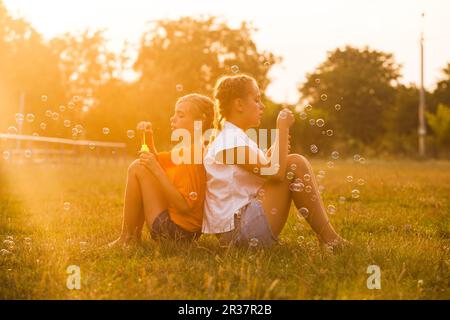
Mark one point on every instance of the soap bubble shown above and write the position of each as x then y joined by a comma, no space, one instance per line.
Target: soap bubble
76,98
266,64
331,209
337,107
356,157
323,97
342,199
30,117
179,87
44,98
48,113
28,153
320,122
312,122
130,134
361,182
43,126
303,115
9,244
349,178
322,172
330,164
307,177
273,211
55,115
362,160
19,117
296,187
261,193
255,170
355,193
4,252
308,188
5,155
283,115
321,189
12,130
71,105
234,69
314,148
290,175
66,206
303,212
253,242
335,155
329,132
193,195
105,131
308,107
74,132
62,108
67,123
317,80
91,145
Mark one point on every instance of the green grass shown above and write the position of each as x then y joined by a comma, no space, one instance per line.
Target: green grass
401,223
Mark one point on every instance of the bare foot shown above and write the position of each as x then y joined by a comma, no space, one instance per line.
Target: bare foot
123,242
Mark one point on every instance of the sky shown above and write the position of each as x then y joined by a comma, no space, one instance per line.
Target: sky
301,32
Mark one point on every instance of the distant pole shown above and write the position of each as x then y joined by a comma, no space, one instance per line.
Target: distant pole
422,130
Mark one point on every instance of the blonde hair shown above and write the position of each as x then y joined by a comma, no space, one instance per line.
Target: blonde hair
226,90
202,107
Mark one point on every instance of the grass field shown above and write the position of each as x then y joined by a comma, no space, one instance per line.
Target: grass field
401,222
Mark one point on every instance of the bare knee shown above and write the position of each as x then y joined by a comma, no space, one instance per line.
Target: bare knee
135,168
299,160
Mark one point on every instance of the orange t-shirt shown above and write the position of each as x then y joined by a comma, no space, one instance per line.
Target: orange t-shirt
190,181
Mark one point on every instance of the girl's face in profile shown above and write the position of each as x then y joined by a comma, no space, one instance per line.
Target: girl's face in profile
253,107
182,118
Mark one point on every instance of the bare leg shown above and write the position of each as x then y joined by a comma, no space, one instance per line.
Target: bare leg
143,201
277,201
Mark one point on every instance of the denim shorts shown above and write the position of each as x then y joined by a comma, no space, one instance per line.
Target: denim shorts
164,228
252,229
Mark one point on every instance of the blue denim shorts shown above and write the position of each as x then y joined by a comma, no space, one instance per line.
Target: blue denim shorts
164,228
252,229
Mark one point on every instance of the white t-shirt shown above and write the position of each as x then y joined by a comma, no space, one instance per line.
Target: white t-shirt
228,186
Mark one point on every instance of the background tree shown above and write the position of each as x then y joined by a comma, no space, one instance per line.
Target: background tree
442,92
188,55
362,82
440,126
27,66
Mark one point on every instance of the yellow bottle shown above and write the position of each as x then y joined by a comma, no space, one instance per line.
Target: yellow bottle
144,147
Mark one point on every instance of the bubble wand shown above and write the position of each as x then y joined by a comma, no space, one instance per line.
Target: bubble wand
144,147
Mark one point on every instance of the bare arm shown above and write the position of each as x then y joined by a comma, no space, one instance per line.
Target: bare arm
273,167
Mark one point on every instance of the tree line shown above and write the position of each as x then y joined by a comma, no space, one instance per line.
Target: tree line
75,85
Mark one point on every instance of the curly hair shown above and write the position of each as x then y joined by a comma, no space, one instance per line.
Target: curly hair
227,89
